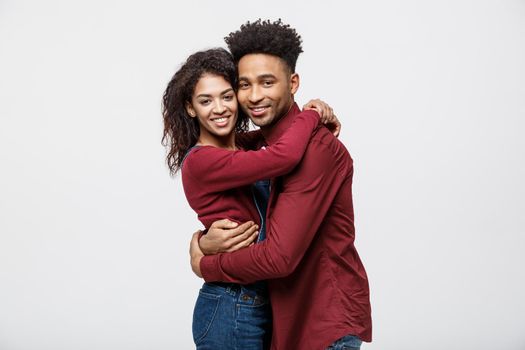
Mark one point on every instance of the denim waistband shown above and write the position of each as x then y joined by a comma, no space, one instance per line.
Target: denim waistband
244,293
260,287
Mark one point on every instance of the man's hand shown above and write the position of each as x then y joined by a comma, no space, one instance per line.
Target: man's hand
228,236
196,254
327,115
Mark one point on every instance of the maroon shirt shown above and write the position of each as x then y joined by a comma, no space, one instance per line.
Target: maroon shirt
318,285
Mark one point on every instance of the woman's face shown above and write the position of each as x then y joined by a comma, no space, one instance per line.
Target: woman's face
215,105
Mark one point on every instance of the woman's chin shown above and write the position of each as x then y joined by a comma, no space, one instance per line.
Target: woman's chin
223,132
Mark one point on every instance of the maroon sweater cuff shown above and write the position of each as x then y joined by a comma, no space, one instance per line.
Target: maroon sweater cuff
209,269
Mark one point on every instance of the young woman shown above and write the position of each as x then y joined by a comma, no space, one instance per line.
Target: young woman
203,130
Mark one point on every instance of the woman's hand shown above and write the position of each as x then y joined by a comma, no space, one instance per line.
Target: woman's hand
226,236
326,114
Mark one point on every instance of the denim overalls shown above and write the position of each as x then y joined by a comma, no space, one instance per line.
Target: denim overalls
231,316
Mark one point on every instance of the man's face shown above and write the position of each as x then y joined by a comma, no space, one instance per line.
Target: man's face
266,88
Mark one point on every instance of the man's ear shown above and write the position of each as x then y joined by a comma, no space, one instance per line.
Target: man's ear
294,83
190,110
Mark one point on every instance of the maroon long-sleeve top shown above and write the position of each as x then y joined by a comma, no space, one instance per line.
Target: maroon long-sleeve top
217,181
317,282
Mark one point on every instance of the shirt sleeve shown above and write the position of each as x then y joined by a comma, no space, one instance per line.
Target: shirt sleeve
219,169
306,197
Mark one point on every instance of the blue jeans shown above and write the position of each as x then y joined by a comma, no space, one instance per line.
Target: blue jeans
232,317
349,342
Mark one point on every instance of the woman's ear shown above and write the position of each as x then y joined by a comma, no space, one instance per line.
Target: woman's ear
190,110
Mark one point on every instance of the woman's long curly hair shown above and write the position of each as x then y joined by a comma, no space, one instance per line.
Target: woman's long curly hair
181,131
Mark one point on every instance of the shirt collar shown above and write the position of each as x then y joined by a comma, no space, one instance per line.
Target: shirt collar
276,131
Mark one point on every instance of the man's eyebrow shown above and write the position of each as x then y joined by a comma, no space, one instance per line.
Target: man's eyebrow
266,76
260,77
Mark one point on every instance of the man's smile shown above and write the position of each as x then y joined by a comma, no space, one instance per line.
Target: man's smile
258,110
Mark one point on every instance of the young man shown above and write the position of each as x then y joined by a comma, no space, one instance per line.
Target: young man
318,285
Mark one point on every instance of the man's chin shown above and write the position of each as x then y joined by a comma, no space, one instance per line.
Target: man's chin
261,122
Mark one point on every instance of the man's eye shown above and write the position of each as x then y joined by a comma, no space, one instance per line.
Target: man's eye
268,83
243,85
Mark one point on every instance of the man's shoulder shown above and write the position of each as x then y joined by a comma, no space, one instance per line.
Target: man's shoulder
324,143
324,154
325,159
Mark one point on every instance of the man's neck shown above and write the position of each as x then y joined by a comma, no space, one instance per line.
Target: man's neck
272,134
265,130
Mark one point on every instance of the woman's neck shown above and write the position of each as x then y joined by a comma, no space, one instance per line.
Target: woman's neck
227,142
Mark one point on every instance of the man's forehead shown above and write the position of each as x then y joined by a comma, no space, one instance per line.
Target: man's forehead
254,66
252,75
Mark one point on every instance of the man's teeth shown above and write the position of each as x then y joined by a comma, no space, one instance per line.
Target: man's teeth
258,109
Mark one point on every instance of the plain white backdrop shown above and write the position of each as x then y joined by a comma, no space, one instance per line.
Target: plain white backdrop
94,234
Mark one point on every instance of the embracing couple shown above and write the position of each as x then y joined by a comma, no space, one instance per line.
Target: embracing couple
278,258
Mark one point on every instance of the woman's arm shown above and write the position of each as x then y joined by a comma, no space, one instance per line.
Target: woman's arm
251,139
219,169
328,118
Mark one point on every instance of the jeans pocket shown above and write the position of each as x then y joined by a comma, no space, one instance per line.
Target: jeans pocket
204,314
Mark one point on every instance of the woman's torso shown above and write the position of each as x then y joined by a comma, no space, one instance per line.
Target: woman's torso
236,204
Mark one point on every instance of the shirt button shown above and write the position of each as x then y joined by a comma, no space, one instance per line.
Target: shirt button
245,297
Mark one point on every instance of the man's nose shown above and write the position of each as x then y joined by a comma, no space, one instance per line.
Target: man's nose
255,95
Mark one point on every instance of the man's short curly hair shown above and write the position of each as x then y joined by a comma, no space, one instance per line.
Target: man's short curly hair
273,38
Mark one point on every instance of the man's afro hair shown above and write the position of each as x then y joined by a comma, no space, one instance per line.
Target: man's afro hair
273,38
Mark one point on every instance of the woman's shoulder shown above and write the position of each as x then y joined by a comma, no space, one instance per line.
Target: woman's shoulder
200,156
189,157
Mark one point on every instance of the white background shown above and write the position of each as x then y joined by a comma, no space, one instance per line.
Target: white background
94,233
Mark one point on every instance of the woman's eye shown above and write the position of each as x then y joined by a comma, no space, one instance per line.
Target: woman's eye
228,97
204,102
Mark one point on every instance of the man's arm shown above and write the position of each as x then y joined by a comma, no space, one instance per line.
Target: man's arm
301,207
